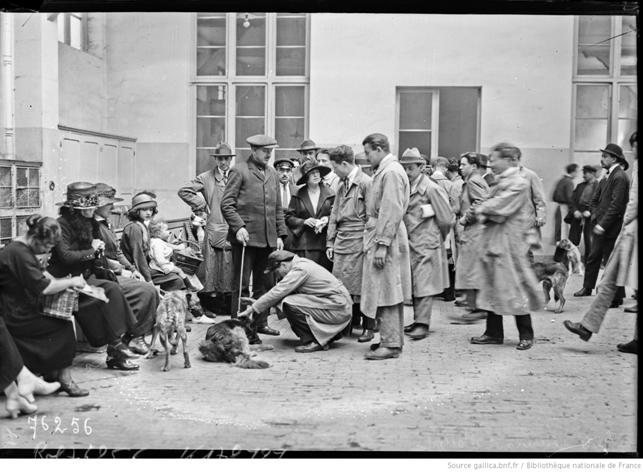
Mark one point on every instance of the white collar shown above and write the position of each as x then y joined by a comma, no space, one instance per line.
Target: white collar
612,168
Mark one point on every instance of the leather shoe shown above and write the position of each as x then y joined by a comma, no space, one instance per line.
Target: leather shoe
484,339
72,389
583,292
119,363
382,353
311,347
268,330
631,348
120,350
578,329
367,336
632,309
616,303
525,344
409,328
138,346
420,331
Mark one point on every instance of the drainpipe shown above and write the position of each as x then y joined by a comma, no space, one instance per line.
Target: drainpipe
7,79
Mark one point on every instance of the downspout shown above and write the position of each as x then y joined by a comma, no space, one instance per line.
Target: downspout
7,79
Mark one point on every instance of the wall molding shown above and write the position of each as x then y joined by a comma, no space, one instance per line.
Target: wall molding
96,133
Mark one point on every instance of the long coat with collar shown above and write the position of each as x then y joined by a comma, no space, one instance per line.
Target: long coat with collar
385,208
538,205
508,283
204,194
467,270
305,242
610,201
251,200
627,247
346,232
452,191
429,264
314,291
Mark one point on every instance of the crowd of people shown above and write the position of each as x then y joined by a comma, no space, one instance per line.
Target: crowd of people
330,240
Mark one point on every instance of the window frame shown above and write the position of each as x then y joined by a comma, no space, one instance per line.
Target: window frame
14,213
435,116
66,19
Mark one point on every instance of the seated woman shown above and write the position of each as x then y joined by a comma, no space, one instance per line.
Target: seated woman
19,383
45,344
135,242
77,253
308,213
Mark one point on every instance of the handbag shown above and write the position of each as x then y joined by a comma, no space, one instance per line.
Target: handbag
102,270
61,305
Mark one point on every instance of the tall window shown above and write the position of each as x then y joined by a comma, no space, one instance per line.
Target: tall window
19,196
605,92
72,30
251,78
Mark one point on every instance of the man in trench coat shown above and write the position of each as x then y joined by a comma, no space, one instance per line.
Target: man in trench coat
428,220
386,280
316,304
203,195
252,208
345,236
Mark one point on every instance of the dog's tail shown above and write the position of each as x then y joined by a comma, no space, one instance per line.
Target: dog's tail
248,363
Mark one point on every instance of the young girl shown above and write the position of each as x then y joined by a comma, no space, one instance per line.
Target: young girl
161,252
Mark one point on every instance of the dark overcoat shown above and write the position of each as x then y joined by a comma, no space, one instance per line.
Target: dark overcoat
610,201
300,209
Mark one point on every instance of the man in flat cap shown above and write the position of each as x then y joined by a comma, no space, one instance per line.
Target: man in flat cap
251,205
203,195
316,304
579,209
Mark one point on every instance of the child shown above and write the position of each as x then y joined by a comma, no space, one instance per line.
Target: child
161,252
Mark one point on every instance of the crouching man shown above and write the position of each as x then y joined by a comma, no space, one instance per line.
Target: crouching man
316,304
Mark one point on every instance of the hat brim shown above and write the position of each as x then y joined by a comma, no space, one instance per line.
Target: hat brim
222,155
413,160
102,201
323,171
144,206
61,204
309,149
612,153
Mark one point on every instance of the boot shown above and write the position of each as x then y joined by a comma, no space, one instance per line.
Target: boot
369,330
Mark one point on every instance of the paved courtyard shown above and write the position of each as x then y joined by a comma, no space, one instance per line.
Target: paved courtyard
442,394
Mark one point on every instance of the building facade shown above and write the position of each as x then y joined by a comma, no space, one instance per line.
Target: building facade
139,100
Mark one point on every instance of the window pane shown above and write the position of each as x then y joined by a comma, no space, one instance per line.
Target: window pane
210,100
75,32
210,61
592,101
627,101
254,31
418,139
22,197
291,31
251,61
593,45
21,177
415,110
34,177
210,131
290,101
590,134
289,132
5,198
247,127
5,176
628,46
250,100
204,160
33,197
5,229
211,32
291,61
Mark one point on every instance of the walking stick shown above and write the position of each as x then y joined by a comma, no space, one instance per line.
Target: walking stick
243,253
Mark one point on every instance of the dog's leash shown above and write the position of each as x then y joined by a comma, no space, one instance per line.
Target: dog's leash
243,253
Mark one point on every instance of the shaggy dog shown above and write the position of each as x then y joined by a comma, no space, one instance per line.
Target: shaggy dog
568,254
553,275
229,341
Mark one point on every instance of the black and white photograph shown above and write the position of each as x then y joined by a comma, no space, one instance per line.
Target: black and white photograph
296,233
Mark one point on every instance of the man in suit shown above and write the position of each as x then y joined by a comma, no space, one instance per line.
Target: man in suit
287,188
608,209
579,214
252,208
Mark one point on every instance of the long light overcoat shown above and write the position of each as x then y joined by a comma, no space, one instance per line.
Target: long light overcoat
314,291
508,284
204,193
467,270
385,207
628,245
429,263
346,232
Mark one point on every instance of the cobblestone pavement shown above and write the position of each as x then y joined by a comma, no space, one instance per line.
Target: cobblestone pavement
442,394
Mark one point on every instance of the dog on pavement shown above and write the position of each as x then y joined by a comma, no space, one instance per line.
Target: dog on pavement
173,310
568,254
552,275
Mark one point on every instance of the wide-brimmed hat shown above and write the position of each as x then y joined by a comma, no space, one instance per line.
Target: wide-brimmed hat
262,140
283,159
81,196
275,258
222,150
308,167
412,156
141,201
308,145
106,194
615,150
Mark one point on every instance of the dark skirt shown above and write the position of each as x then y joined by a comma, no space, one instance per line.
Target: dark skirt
104,323
10,358
168,282
143,299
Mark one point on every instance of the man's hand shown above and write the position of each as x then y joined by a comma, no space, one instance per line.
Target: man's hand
242,236
280,244
329,253
98,245
380,256
578,215
247,312
587,214
599,230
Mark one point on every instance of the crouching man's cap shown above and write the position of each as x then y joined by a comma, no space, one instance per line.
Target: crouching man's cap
277,257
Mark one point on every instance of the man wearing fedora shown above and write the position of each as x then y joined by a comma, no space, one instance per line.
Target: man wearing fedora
287,188
428,220
203,195
252,208
307,152
608,208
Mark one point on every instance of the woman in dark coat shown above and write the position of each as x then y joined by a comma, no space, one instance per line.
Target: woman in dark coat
308,213
46,345
77,254
135,242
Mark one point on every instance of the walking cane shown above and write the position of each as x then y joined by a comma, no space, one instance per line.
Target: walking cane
243,253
